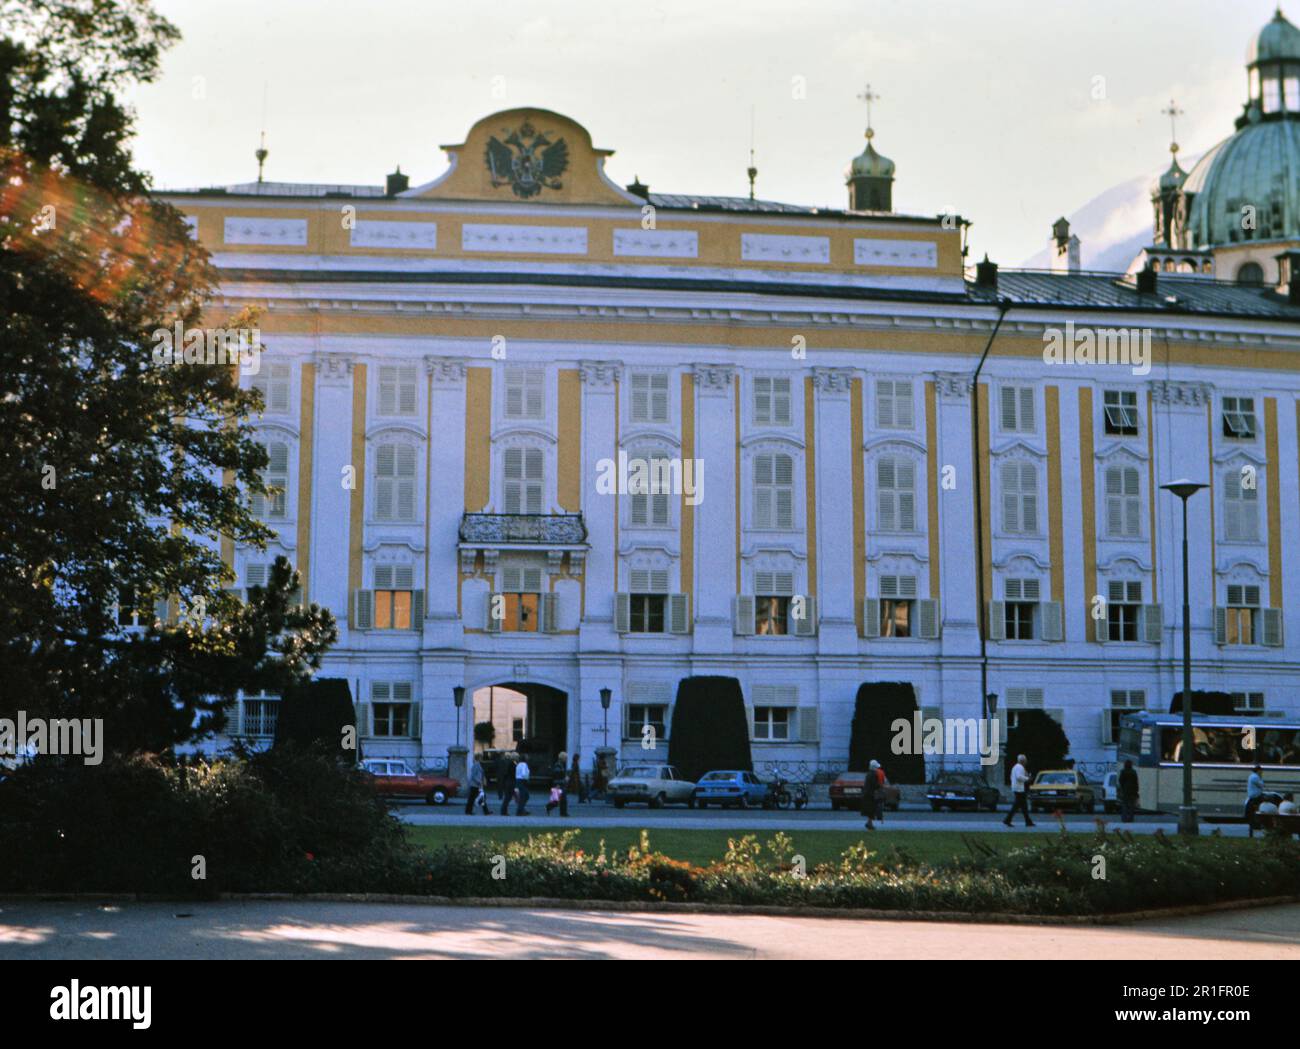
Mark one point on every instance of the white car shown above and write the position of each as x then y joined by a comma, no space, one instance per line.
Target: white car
1110,789
656,785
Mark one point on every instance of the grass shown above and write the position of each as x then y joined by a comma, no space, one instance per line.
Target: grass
701,847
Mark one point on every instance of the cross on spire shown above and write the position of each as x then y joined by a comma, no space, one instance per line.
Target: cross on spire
1173,113
868,96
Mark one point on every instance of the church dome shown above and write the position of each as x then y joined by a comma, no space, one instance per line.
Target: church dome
1259,166
870,164
1277,40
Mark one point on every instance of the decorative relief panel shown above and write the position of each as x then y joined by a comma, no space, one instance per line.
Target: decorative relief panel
445,371
413,236
775,247
279,232
334,367
873,251
952,386
832,381
714,378
537,240
1181,394
600,375
657,243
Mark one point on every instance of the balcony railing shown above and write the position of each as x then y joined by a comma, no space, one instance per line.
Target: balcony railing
550,529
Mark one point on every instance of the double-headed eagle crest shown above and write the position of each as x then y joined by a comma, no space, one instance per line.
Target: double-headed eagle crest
527,161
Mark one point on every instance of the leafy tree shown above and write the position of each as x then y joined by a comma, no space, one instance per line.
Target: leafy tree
710,730
121,475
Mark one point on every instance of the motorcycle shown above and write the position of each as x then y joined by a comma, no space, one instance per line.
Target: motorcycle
781,796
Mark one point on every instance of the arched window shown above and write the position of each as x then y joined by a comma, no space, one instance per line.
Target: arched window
895,494
773,491
274,506
524,473
1250,273
395,482
1020,498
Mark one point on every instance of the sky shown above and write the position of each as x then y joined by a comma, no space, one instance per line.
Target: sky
1010,112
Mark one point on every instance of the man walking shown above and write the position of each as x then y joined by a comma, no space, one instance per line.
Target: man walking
1019,792
505,781
474,792
1128,791
522,772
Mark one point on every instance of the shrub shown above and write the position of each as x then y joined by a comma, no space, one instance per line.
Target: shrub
875,709
710,729
316,714
1040,738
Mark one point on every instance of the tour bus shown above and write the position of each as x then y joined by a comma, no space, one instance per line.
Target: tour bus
1225,751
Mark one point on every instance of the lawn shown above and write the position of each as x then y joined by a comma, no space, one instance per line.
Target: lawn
701,847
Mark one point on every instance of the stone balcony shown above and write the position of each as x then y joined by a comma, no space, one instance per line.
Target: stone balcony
557,535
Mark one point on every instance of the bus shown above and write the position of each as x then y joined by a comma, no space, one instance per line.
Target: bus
1226,749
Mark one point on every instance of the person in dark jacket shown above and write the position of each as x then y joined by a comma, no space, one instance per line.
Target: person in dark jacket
871,798
576,787
1128,791
505,781
474,791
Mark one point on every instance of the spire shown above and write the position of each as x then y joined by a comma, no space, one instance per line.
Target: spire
870,176
261,154
1173,113
751,171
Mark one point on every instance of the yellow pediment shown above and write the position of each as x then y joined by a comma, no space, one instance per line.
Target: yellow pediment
530,156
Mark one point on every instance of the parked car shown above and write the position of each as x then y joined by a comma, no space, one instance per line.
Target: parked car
1110,792
654,785
730,787
1062,789
846,792
962,790
394,778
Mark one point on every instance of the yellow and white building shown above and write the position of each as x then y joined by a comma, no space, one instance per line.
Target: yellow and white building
454,369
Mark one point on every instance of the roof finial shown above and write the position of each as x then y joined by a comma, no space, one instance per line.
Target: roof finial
1173,113
261,154
868,96
751,171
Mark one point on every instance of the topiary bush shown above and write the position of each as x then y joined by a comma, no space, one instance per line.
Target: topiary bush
710,729
1039,737
876,707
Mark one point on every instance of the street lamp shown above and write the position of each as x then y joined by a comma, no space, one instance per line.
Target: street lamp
1185,489
606,695
458,694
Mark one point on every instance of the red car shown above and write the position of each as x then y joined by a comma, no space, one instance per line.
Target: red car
394,778
846,792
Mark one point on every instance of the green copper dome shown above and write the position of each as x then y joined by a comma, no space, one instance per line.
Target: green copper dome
1277,40
1258,166
870,164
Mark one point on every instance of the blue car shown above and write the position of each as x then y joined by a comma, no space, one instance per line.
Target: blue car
732,787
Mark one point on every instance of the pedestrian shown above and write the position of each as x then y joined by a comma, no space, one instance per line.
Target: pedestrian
1254,790
474,792
505,781
559,790
1128,791
576,787
522,772
871,794
1019,792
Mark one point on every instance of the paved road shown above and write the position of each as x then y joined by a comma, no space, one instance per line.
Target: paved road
911,818
304,929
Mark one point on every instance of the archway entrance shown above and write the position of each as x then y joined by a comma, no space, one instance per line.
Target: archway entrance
526,717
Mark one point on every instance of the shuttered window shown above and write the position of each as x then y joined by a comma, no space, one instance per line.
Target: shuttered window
772,402
1017,409
896,494
649,397
773,491
1020,498
652,508
1123,502
397,389
274,382
274,506
894,404
523,480
1240,508
395,482
525,393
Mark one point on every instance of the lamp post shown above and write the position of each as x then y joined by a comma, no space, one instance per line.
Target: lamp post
1187,823
606,696
458,694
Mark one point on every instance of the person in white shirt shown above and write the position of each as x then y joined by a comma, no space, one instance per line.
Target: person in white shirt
1288,806
522,772
1019,792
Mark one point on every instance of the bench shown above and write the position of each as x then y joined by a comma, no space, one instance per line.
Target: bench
1288,824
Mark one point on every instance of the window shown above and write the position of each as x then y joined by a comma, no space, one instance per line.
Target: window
390,712
641,715
397,389
894,404
522,590
1017,413
1272,97
1240,508
773,591
772,723
1250,273
523,480
772,402
1121,412
1123,502
897,595
1239,418
1291,93
525,393
394,597
649,397
1242,614
1248,702
896,494
1123,701
261,712
1021,599
395,482
651,508
1123,608
648,601
773,491
1020,498
274,506
273,380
